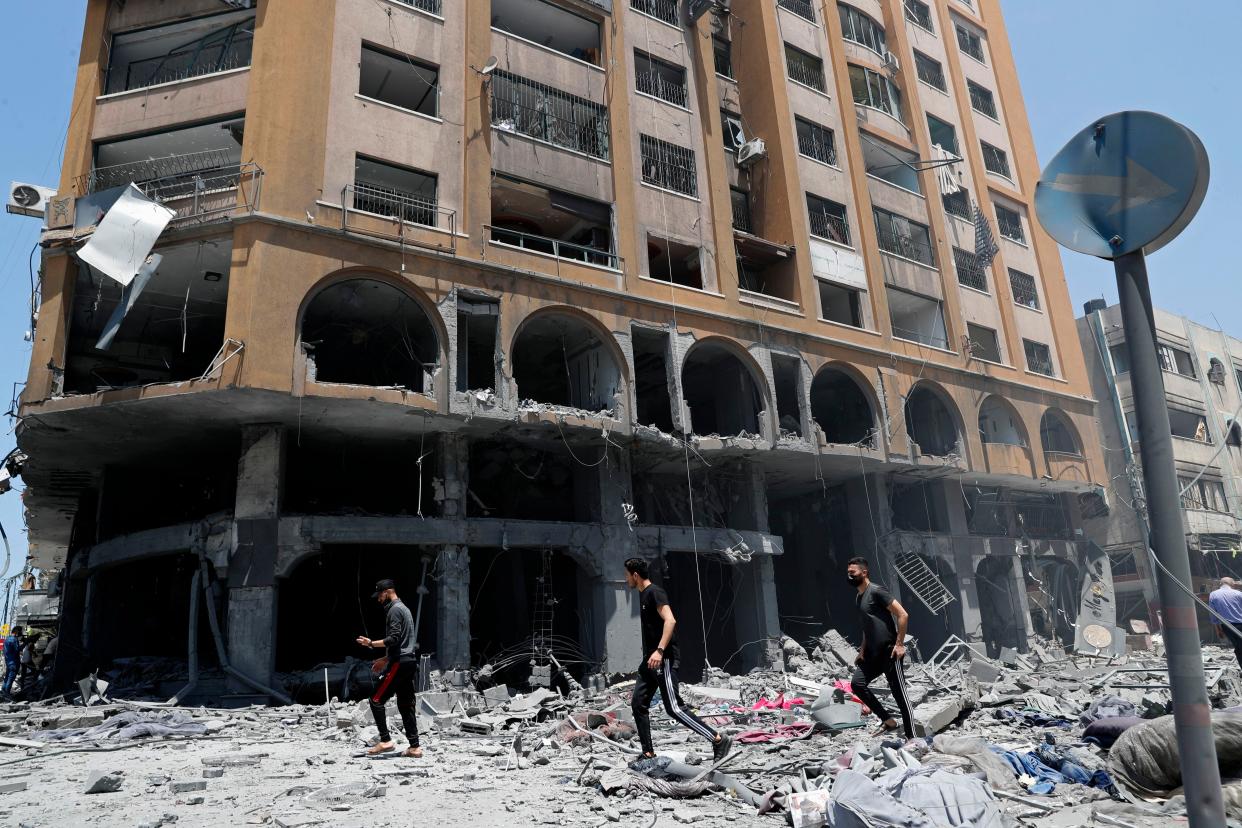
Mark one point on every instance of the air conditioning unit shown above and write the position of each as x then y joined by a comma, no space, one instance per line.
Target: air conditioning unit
890,62
751,151
28,199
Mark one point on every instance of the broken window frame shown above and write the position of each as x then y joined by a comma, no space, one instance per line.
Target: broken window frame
416,66
740,202
804,68
852,299
938,337
550,245
930,71
875,90
732,134
829,219
903,237
969,272
1038,358
984,343
1056,431
591,55
669,275
722,55
234,52
937,126
550,115
1024,288
816,141
919,13
661,80
995,160
1174,360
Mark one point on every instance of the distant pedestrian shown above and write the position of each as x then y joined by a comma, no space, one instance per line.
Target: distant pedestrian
1226,601
658,670
26,672
12,658
399,669
883,646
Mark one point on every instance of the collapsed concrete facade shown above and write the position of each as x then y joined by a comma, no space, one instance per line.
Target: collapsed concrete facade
493,356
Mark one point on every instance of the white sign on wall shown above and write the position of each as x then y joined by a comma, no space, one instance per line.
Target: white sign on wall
845,267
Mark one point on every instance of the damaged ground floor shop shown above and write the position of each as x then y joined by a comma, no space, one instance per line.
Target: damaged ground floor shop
508,545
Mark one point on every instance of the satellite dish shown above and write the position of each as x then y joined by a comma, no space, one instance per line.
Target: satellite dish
488,67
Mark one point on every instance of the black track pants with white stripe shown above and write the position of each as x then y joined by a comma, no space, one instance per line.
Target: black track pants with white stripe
891,669
645,687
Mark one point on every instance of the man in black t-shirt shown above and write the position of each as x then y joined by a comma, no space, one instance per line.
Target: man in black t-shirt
659,668
883,647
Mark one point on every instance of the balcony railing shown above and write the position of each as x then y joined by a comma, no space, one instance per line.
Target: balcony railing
969,272
741,212
199,186
408,217
432,6
220,51
905,246
665,10
818,144
548,114
828,226
922,337
554,247
805,70
655,84
799,7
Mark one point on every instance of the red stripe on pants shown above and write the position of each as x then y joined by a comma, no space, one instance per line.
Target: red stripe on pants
392,671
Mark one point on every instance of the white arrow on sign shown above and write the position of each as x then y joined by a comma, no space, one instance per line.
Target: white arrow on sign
1138,186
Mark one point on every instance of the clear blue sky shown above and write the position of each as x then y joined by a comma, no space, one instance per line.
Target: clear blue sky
1077,59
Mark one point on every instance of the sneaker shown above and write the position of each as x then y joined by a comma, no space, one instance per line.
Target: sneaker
721,749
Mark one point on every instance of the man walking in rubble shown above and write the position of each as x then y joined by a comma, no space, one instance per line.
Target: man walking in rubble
399,667
883,646
659,668
1226,602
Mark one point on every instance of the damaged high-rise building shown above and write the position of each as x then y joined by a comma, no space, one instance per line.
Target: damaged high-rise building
487,296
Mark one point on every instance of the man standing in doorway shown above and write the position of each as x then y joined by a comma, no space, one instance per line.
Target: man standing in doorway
1226,601
400,668
883,646
659,668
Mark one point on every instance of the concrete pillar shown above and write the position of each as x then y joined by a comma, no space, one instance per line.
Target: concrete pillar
252,593
963,562
453,607
755,616
610,629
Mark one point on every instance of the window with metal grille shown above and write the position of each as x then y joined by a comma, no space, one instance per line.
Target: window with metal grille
390,190
180,51
969,42
958,204
665,10
930,71
432,6
1010,223
815,141
943,134
874,90
658,79
722,51
981,99
804,68
969,272
861,29
994,159
740,200
828,219
545,113
983,342
731,130
668,165
1038,358
1025,292
902,237
919,13
799,7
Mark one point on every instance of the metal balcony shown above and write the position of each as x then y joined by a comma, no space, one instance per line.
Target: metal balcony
389,213
545,113
554,247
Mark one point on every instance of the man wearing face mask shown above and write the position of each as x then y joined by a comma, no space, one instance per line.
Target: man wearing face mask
399,670
884,633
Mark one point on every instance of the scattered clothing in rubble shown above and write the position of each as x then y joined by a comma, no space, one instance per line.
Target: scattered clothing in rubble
1107,708
780,733
1104,732
778,703
1028,764
132,724
1060,758
980,754
948,799
1033,718
857,802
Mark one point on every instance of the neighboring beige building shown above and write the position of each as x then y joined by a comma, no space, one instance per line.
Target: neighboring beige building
505,292
1203,384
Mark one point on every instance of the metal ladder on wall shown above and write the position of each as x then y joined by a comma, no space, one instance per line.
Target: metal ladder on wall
922,581
541,626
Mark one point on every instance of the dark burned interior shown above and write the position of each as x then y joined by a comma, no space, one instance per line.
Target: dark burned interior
561,360
721,392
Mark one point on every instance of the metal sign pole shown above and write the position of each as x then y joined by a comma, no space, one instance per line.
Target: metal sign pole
1191,712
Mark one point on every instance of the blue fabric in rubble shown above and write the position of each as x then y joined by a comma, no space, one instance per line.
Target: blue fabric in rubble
1061,758
1046,779
1033,718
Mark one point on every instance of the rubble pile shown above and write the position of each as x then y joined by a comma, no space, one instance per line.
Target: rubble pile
1044,738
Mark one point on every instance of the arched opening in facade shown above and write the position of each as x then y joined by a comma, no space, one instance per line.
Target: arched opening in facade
930,422
1057,435
721,392
325,603
558,359
368,332
527,616
999,423
840,407
1000,618
1053,595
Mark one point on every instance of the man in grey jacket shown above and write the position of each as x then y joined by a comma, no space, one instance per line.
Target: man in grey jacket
399,667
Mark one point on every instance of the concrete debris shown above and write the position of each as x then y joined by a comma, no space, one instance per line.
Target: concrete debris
1008,739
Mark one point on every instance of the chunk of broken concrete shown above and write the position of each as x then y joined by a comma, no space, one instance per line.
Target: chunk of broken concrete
213,773
101,781
178,786
12,787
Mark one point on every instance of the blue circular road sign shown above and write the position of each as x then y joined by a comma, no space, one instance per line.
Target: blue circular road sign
1130,181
